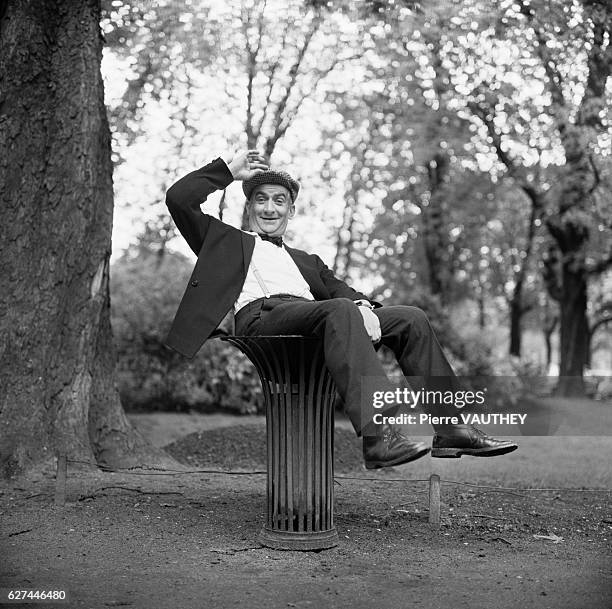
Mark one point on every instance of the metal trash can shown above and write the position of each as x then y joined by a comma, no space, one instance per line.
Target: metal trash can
299,398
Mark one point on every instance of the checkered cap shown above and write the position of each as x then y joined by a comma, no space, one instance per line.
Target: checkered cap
271,177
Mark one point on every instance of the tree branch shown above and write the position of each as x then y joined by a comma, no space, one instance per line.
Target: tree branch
600,322
271,76
292,111
252,55
599,65
486,116
596,176
555,80
551,275
293,75
601,265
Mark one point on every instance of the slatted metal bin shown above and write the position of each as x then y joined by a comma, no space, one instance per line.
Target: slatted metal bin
299,396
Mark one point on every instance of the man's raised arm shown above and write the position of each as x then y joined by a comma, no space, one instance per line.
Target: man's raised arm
187,194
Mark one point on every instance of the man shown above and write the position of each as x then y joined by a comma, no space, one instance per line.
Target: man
276,289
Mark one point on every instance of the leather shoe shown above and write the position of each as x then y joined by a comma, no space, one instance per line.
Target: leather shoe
389,448
468,441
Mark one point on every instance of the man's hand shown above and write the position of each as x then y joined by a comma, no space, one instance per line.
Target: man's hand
245,165
371,323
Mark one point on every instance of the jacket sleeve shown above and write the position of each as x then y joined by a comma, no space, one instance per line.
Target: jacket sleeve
185,197
338,288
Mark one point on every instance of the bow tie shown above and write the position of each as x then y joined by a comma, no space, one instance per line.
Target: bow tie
276,239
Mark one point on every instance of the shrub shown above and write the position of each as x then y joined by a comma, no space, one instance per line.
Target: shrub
145,291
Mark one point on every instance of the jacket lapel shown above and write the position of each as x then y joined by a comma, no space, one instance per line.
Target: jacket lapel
309,272
248,245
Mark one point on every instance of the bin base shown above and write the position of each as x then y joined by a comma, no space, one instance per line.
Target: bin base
307,540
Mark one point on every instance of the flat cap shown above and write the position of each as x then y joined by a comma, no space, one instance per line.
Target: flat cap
271,177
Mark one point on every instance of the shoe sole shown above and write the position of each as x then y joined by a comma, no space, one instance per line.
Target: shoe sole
398,461
456,453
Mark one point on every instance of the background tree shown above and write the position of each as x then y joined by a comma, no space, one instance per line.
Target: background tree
569,41
251,62
531,78
432,162
57,358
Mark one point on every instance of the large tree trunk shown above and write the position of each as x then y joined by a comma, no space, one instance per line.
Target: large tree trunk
56,356
569,226
517,310
574,331
571,234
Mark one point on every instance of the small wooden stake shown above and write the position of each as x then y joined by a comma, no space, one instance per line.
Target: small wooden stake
60,481
434,500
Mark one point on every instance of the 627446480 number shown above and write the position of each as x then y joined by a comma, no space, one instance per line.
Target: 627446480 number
31,595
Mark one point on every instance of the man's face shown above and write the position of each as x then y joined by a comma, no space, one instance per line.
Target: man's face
270,208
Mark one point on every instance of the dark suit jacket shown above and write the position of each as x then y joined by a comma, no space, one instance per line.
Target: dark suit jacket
224,254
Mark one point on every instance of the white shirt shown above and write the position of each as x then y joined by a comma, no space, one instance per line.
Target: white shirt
276,270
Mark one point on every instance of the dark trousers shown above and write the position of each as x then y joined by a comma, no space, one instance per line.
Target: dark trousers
348,350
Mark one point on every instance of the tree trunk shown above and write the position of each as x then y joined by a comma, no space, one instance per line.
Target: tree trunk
574,331
549,324
571,234
548,343
482,316
435,229
56,356
516,314
516,304
344,247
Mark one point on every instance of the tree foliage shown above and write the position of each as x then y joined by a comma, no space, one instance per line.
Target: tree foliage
465,145
515,90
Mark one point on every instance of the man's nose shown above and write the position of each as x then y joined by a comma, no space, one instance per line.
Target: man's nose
269,206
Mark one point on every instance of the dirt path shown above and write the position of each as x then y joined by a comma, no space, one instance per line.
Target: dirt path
189,541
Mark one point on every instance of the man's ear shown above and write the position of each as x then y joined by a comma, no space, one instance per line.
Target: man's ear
292,210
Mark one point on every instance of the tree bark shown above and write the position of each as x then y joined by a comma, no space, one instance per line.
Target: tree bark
548,343
549,324
435,229
56,355
516,314
480,299
574,332
571,236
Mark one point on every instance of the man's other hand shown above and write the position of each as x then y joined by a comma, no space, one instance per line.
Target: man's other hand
371,323
245,165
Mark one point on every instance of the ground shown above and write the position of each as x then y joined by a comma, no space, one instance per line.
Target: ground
189,541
